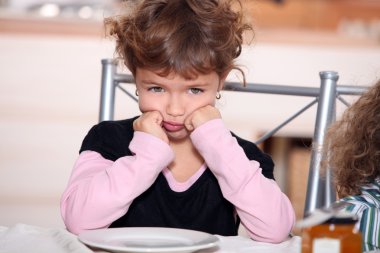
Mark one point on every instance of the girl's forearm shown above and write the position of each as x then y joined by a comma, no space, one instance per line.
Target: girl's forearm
100,191
264,210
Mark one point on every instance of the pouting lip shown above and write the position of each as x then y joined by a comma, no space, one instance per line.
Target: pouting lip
172,123
172,126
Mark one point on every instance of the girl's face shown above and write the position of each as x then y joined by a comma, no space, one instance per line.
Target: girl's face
175,97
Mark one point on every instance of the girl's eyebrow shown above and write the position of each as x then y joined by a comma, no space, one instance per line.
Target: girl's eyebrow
190,84
199,84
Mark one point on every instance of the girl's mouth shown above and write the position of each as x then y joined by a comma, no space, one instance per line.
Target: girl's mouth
172,126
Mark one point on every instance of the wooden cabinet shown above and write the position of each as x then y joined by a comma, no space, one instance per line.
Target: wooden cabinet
311,14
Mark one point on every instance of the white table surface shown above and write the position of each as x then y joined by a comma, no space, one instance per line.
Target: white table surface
22,238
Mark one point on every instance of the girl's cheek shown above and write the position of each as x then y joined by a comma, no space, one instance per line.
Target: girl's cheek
145,105
211,101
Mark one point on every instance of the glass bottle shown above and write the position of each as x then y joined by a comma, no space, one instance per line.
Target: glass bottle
336,235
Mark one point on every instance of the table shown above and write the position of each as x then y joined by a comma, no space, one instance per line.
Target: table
22,238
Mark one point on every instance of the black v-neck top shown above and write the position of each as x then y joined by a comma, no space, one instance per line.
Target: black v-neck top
202,207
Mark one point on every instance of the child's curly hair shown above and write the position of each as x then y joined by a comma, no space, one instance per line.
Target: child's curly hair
184,36
352,144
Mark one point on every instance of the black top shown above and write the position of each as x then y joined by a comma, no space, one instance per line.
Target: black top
201,207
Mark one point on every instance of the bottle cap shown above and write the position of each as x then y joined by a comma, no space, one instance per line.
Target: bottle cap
343,217
333,214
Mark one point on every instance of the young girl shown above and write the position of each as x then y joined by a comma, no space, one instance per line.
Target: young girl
352,148
176,165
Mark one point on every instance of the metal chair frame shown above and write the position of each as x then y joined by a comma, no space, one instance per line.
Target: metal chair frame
320,190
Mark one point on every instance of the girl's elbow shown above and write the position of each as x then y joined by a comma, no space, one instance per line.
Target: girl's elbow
277,230
277,235
76,230
281,235
73,225
284,230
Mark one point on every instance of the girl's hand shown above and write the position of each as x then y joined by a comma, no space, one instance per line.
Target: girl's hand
150,122
200,116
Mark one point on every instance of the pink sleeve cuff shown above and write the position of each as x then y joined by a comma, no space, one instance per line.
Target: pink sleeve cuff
150,147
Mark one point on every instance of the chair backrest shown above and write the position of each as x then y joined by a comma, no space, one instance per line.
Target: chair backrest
320,190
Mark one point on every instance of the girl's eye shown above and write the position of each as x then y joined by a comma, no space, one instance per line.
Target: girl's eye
195,90
156,89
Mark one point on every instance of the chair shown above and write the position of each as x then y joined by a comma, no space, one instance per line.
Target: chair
320,190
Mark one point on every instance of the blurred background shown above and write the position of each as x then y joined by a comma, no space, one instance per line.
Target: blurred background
50,70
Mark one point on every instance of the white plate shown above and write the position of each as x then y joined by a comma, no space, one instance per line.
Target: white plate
148,239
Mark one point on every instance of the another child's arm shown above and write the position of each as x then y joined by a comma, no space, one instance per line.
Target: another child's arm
100,190
264,210
366,207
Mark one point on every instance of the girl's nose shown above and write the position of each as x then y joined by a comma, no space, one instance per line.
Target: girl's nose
175,106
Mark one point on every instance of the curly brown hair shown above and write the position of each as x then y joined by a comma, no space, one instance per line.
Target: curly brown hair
352,144
184,36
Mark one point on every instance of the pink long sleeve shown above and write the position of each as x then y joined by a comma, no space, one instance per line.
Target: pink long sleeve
100,191
264,210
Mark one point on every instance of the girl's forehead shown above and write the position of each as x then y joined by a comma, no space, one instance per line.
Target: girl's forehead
172,75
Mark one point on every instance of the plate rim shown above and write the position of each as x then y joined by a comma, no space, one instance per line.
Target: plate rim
214,240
